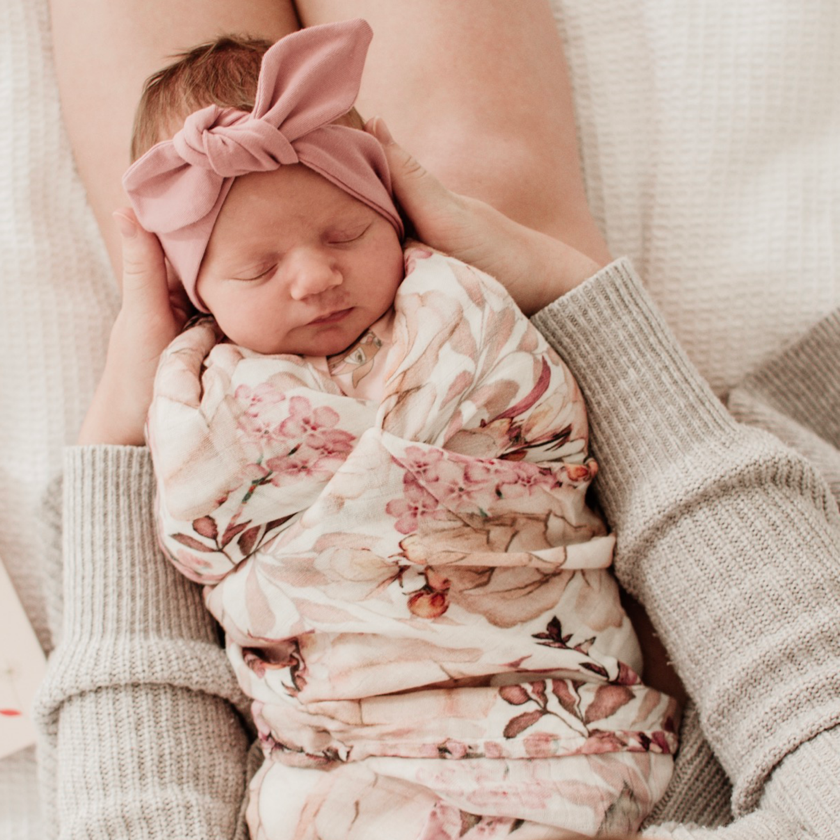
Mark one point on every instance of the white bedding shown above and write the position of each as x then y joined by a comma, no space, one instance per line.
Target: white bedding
710,135
710,138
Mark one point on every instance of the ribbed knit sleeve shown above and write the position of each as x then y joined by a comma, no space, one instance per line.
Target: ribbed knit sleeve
729,539
143,737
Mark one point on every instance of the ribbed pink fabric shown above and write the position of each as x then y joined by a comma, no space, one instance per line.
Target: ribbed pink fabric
307,80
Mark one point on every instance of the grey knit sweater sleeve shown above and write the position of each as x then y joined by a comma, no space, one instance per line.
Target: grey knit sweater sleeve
141,734
731,541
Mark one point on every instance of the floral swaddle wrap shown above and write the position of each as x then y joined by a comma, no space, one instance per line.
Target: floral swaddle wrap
414,590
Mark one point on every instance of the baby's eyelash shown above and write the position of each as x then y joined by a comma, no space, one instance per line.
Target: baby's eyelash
343,239
255,277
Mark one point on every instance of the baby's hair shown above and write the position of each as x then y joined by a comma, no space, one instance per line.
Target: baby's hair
223,72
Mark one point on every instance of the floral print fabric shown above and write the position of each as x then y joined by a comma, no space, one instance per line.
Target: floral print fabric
412,578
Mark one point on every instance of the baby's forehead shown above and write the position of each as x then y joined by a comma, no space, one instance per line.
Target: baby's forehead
297,193
267,213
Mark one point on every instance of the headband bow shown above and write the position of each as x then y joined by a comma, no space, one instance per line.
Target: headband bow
307,80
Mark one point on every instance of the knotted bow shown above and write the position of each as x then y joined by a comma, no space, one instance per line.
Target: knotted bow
307,80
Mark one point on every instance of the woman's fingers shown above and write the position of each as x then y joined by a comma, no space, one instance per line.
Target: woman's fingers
535,268
458,225
144,268
154,303
431,207
152,314
412,183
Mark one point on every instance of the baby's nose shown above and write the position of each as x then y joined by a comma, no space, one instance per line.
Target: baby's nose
311,273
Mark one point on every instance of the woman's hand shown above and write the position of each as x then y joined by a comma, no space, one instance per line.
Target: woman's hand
534,268
154,310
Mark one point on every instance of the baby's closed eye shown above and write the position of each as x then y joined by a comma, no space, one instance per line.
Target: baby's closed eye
256,274
346,235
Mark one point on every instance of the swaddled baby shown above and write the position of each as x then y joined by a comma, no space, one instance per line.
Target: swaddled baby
379,469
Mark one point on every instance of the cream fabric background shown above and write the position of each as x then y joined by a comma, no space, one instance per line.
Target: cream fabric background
710,136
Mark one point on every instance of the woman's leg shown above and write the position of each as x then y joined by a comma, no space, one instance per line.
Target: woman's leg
478,91
105,50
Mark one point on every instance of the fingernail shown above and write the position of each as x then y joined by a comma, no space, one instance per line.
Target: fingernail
127,228
381,132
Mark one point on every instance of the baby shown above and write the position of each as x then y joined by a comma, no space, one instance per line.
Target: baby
378,468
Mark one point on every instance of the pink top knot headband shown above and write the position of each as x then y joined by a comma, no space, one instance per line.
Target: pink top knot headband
307,80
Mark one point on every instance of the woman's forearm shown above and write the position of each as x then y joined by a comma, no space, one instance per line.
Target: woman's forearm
730,540
139,702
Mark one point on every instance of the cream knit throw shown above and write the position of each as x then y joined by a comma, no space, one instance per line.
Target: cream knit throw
710,135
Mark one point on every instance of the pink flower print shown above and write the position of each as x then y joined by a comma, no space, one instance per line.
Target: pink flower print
331,443
423,463
254,400
417,502
253,474
527,479
505,479
303,420
315,428
296,466
447,483
483,471
259,429
445,476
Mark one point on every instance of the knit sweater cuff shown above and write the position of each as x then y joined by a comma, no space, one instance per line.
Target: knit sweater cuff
120,594
111,587
759,825
699,791
804,787
138,667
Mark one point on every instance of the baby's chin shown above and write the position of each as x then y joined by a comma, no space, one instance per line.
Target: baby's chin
339,348
328,346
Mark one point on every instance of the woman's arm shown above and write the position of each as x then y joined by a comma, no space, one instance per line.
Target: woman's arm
139,703
796,397
729,539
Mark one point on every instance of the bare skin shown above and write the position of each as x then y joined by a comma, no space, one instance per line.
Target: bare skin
478,91
104,52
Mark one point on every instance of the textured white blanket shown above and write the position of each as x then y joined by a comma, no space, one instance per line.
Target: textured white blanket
709,134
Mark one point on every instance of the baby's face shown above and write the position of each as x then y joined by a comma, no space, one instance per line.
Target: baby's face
297,265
